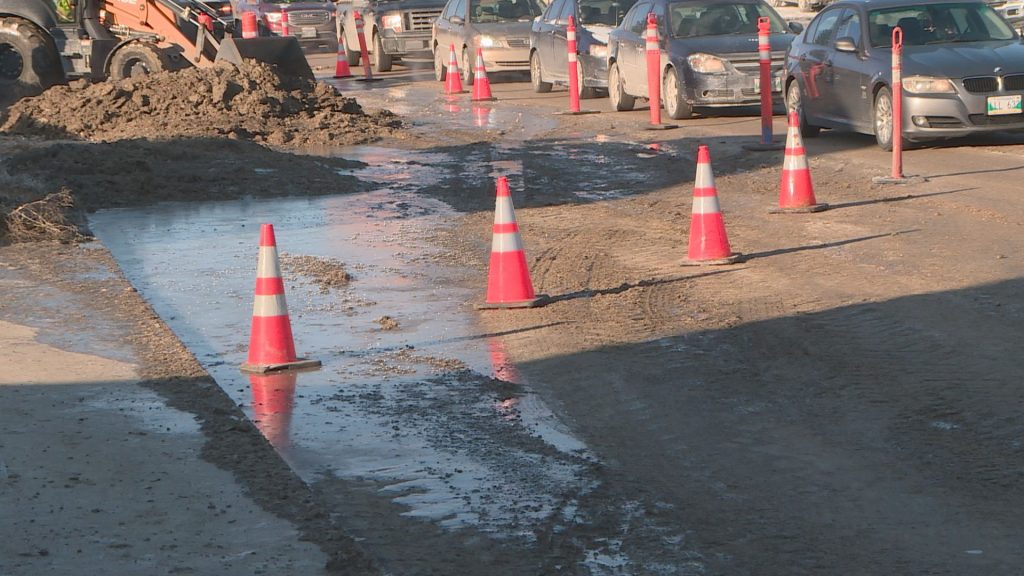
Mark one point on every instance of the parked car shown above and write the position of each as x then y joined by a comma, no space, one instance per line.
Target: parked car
962,69
501,28
1013,11
394,30
708,53
311,22
549,58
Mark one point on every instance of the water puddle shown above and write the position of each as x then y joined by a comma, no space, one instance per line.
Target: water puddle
411,395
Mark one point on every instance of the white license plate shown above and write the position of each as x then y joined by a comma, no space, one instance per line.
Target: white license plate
309,32
998,105
776,84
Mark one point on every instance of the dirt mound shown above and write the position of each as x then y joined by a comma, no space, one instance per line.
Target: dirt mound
252,102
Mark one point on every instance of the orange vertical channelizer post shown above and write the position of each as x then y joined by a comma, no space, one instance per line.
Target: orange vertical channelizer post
709,244
250,25
764,52
271,347
653,69
363,52
508,279
897,103
574,83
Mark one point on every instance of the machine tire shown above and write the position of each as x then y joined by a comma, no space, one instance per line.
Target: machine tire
794,103
675,97
137,59
440,65
382,61
29,62
620,100
537,75
882,119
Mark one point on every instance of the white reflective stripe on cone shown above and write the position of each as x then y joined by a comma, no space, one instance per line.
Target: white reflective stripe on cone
507,242
503,212
705,205
273,305
267,265
795,162
705,177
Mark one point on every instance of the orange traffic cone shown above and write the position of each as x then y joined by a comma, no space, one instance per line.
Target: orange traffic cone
452,78
708,242
272,404
796,192
341,69
508,282
481,85
271,347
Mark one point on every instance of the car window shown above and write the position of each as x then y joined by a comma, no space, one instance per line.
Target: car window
712,18
938,24
827,23
607,12
450,9
849,26
636,19
568,9
551,14
483,11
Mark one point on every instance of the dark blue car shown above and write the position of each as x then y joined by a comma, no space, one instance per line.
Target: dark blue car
708,54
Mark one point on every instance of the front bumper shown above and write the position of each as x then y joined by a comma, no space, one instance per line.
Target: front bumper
595,70
955,115
731,88
501,59
409,45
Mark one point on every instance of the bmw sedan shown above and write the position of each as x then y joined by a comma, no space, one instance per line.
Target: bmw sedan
549,58
962,70
708,54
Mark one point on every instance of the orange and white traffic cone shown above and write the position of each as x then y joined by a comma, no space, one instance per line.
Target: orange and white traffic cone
452,78
796,192
708,242
272,404
271,347
508,281
481,85
341,69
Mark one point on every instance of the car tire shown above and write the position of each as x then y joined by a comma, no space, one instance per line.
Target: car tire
135,60
882,120
467,68
675,96
29,63
352,55
620,100
586,92
794,103
382,61
537,76
440,65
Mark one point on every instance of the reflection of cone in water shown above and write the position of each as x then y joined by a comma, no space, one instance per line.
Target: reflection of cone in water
796,192
452,79
270,343
481,116
508,281
708,242
504,369
452,105
272,404
481,85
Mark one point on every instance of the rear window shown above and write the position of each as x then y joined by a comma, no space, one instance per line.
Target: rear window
711,18
607,12
505,10
938,24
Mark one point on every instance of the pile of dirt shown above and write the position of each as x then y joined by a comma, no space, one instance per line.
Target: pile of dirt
253,102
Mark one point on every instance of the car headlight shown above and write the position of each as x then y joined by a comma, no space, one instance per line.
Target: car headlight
927,85
598,50
706,63
487,41
392,21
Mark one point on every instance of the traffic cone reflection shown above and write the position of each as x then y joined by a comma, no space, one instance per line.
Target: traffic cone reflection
273,398
708,242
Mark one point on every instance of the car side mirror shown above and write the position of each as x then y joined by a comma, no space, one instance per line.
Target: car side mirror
795,27
457,20
846,44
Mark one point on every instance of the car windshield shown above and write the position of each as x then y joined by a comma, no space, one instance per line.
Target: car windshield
711,18
505,10
607,12
938,24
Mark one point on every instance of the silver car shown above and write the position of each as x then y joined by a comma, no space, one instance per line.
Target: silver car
962,70
500,28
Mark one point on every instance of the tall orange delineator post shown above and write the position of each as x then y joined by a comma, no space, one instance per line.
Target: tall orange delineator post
897,176
653,71
363,52
764,83
250,25
574,71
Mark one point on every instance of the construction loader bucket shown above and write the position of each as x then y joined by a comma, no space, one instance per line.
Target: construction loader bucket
283,52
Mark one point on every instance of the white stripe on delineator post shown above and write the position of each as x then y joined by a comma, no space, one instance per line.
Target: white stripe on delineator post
273,305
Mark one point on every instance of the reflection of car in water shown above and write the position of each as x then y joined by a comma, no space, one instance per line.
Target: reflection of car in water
500,28
549,60
962,70
311,23
709,53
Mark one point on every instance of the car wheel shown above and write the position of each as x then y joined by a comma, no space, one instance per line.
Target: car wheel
381,60
352,55
794,103
883,119
536,77
675,97
467,68
620,101
585,91
440,66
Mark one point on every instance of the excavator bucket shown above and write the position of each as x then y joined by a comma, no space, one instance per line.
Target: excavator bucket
283,52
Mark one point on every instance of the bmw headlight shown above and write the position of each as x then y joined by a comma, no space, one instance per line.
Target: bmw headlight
487,41
927,85
706,63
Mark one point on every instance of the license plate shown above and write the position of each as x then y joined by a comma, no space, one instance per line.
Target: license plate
309,32
998,105
776,84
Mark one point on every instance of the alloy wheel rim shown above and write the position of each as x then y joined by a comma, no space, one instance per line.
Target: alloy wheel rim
671,92
883,119
614,86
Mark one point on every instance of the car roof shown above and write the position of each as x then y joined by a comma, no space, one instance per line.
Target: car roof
869,4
